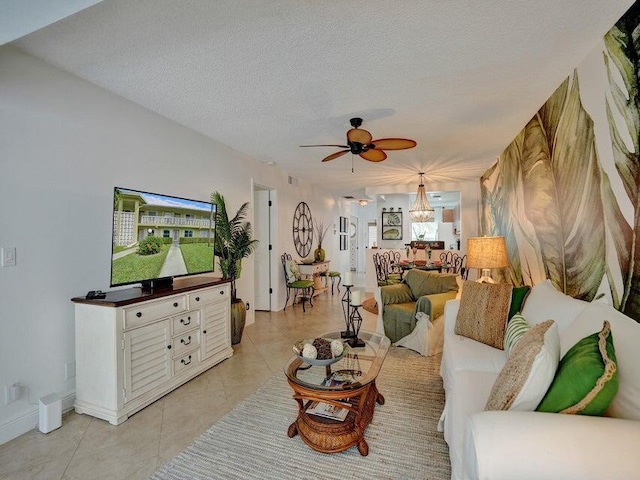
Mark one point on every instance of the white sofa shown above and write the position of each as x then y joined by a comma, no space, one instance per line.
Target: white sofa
510,445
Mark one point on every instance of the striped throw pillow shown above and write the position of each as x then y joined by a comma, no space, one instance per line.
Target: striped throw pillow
516,328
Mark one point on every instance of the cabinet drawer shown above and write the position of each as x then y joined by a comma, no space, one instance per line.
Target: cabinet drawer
185,322
152,311
186,341
208,296
187,360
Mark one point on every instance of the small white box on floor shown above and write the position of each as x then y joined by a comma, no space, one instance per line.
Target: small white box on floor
50,413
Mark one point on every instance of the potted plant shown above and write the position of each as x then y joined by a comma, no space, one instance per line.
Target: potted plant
321,231
234,241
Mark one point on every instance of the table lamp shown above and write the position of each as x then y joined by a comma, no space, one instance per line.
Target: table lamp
486,253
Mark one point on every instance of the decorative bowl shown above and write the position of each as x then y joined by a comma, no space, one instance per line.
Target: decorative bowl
321,363
297,348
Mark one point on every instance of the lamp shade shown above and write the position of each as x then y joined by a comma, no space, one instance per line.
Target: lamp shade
487,252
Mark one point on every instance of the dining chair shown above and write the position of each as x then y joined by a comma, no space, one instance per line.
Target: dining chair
303,288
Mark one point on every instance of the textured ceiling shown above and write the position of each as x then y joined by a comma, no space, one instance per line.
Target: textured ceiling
459,77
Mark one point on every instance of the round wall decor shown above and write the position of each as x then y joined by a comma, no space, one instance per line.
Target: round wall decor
302,229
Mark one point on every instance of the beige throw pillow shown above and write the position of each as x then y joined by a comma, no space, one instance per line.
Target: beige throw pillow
484,308
525,378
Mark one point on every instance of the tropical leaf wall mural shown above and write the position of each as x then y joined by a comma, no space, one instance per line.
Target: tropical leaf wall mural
566,192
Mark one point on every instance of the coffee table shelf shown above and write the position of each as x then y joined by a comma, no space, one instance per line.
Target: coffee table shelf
360,367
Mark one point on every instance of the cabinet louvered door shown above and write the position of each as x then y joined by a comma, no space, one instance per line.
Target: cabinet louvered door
147,360
216,331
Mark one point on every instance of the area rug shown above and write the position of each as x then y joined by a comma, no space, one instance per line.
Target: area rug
251,442
370,305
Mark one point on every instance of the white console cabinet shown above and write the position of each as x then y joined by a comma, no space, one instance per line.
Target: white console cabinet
133,347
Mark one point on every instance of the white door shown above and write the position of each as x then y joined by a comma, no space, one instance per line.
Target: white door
353,243
262,255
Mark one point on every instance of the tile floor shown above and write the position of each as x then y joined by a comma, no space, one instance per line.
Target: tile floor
88,448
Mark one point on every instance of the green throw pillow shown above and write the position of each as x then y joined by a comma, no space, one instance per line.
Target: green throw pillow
518,296
586,381
516,328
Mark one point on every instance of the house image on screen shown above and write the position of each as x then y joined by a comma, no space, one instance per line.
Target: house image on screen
138,215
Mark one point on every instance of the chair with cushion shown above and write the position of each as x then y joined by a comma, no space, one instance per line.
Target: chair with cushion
420,291
303,288
333,276
382,263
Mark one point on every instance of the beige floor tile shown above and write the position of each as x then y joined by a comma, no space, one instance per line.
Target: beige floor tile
90,448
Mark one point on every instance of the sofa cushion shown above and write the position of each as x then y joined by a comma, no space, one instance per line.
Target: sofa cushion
529,371
483,312
463,354
626,334
546,303
587,378
425,283
517,327
518,297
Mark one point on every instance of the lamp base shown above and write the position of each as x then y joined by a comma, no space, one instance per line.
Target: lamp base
486,276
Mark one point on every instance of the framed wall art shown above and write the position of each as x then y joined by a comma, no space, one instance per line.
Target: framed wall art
391,225
344,224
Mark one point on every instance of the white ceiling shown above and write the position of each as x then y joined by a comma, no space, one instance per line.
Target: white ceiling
461,77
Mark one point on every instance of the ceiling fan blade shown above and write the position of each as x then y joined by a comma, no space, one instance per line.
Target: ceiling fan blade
393,143
333,156
374,155
341,146
359,135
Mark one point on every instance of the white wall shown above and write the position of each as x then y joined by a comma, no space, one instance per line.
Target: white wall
65,144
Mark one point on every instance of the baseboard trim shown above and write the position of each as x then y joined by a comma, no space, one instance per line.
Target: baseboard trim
22,423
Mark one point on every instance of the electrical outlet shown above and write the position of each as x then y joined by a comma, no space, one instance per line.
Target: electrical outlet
11,393
8,256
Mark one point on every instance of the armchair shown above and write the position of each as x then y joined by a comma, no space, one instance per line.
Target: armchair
420,291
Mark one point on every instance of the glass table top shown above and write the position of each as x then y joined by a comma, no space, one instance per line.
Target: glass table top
357,367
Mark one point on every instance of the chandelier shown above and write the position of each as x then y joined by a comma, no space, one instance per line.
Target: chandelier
421,211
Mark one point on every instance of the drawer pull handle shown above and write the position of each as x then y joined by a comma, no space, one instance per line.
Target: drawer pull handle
204,331
185,322
139,314
184,362
221,292
175,304
186,342
197,299
168,347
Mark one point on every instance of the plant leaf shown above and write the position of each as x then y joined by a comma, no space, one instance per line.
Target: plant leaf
561,186
623,51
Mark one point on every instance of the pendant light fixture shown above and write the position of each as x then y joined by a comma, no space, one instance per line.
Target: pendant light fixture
421,211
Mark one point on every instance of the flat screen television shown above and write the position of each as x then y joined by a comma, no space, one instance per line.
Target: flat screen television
158,237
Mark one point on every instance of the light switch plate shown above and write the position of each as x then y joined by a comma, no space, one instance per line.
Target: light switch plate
8,256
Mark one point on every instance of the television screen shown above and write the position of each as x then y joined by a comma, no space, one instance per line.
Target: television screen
159,236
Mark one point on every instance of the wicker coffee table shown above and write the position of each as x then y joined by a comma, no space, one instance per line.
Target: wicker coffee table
349,384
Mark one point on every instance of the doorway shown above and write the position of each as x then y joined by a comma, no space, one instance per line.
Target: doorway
263,264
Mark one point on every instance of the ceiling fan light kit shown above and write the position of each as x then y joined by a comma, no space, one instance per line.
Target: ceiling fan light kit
421,211
360,142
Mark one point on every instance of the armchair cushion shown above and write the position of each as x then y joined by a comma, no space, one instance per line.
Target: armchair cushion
426,283
398,293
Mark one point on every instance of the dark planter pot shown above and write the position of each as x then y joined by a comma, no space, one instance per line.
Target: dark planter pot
238,319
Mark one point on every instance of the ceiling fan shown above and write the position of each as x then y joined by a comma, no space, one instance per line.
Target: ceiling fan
359,142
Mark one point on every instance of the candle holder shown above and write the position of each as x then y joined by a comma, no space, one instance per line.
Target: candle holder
346,302
355,322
